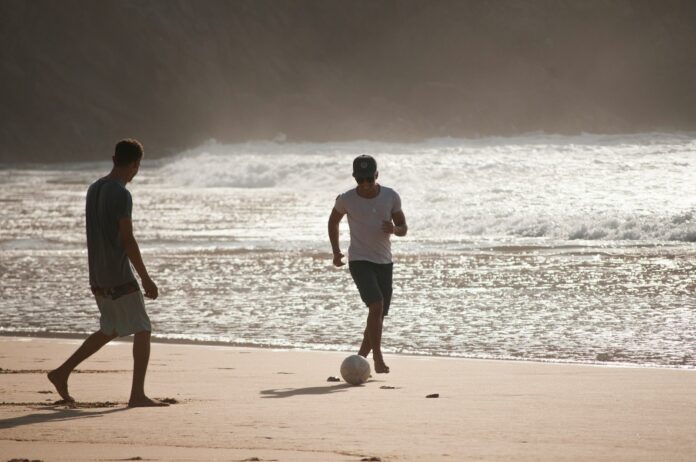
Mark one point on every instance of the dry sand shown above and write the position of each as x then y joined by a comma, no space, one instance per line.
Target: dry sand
267,405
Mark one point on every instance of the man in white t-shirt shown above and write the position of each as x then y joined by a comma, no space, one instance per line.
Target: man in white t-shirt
374,214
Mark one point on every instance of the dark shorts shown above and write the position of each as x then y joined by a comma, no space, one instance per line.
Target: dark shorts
374,282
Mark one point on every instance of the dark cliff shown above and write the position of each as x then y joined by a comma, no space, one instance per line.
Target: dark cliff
77,75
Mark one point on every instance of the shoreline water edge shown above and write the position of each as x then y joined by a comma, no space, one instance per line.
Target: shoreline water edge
28,336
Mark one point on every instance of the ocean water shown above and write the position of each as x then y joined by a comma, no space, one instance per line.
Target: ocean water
568,249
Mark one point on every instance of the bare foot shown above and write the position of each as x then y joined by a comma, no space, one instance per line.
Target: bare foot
381,368
145,402
61,383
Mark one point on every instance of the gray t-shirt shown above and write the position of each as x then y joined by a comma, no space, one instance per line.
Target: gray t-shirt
365,217
107,202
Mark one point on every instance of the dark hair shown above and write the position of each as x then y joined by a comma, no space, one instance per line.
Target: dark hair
127,152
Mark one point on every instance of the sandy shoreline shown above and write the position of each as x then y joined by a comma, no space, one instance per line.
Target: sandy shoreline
219,343
243,403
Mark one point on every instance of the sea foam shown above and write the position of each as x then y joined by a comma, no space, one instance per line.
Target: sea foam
581,188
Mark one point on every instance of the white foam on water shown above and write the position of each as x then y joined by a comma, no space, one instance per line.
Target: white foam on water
590,188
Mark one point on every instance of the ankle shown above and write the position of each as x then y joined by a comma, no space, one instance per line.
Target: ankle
137,396
59,372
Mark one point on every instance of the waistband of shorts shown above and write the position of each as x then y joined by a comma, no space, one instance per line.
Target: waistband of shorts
370,263
116,291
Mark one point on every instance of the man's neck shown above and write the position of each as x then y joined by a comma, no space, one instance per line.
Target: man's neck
118,175
372,193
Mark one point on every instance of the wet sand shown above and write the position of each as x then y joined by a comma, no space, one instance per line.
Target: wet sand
258,404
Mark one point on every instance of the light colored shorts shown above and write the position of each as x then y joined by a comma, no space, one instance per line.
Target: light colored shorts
124,316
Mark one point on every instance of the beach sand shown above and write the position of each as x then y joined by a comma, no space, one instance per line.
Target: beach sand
269,405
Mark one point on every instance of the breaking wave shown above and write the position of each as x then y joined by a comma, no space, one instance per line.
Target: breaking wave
576,188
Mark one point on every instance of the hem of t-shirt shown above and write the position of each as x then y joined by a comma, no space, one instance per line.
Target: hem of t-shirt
371,260
115,285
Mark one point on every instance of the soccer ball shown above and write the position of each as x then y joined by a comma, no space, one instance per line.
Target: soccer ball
355,370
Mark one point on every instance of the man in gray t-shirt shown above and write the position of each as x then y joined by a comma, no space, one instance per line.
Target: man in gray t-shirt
111,249
108,201
374,214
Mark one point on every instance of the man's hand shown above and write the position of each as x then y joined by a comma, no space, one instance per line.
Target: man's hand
130,245
338,259
150,288
397,225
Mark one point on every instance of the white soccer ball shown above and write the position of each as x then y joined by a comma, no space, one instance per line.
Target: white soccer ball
355,370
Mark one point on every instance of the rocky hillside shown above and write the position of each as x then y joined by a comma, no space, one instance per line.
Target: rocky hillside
76,75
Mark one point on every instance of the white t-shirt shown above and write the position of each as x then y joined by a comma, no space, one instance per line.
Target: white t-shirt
365,218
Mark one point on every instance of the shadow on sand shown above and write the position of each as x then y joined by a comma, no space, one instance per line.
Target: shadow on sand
59,413
288,392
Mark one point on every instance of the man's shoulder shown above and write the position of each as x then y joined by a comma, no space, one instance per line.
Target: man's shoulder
109,187
115,187
389,191
348,194
96,184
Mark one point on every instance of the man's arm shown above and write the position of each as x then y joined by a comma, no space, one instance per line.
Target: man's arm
397,226
130,245
334,220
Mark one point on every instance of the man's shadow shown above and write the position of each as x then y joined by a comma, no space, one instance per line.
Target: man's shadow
288,392
59,413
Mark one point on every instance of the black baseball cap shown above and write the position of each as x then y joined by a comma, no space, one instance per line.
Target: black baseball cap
364,166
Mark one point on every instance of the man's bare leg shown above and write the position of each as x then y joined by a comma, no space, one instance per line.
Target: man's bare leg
141,357
365,346
374,333
59,377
